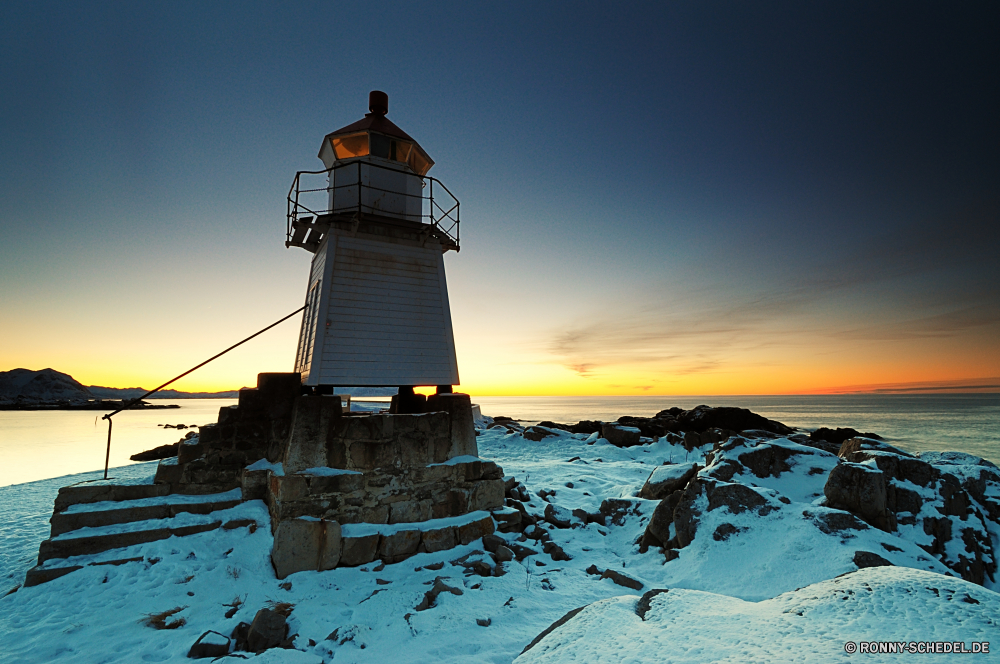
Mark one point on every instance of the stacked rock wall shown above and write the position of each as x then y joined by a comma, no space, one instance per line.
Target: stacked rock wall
415,476
390,494
256,428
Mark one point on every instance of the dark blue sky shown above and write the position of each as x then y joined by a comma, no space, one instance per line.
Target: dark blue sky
712,189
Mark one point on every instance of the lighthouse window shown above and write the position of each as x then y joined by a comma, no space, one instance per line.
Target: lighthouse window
380,145
401,151
346,147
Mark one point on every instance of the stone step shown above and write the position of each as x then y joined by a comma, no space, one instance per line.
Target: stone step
43,573
38,575
101,492
106,513
98,492
88,541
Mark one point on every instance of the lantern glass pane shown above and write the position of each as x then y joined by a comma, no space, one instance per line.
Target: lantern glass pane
346,147
402,151
417,162
380,145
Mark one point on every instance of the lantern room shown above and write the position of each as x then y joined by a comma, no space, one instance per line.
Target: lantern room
375,136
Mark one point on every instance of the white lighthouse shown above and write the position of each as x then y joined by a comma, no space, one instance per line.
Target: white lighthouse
377,301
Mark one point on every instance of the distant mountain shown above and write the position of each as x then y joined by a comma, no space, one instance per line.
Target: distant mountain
20,386
49,385
44,385
133,392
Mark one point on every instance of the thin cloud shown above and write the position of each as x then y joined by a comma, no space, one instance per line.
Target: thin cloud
948,324
965,385
697,332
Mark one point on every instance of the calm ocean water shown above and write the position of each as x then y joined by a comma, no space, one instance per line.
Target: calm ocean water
38,444
42,444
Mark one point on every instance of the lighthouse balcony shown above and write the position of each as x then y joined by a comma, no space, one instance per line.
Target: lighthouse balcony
378,198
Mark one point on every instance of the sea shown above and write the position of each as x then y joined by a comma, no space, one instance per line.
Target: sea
38,445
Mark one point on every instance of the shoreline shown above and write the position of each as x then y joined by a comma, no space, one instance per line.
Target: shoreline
107,405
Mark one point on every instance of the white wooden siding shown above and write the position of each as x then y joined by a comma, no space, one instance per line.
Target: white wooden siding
385,318
310,317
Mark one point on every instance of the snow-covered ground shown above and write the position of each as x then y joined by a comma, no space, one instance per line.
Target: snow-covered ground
730,599
904,611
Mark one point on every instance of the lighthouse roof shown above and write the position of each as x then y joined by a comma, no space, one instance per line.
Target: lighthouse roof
376,136
373,122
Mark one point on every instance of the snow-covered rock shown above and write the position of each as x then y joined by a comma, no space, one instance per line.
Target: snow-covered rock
861,613
933,515
664,480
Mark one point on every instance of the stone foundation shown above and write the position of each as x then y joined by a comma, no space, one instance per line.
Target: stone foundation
387,495
306,544
408,476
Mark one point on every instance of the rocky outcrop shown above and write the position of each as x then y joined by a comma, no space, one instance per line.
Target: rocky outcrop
622,579
664,480
838,436
430,598
680,513
268,630
620,435
702,418
537,433
948,504
860,489
165,451
702,425
210,644
865,559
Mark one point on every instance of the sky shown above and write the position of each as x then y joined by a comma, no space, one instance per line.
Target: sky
656,198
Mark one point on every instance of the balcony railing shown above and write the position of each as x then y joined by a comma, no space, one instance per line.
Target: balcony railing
363,189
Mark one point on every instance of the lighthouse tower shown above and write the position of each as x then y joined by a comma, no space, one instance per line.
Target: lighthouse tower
378,228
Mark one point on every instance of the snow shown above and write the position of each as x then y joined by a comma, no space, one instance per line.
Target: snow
280,656
365,529
767,592
119,476
809,624
214,638
264,464
182,519
672,472
174,499
24,516
325,471
799,483
454,461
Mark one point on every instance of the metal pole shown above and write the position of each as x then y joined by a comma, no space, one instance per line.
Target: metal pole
107,455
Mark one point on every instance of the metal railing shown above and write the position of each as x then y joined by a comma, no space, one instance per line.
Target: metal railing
346,192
